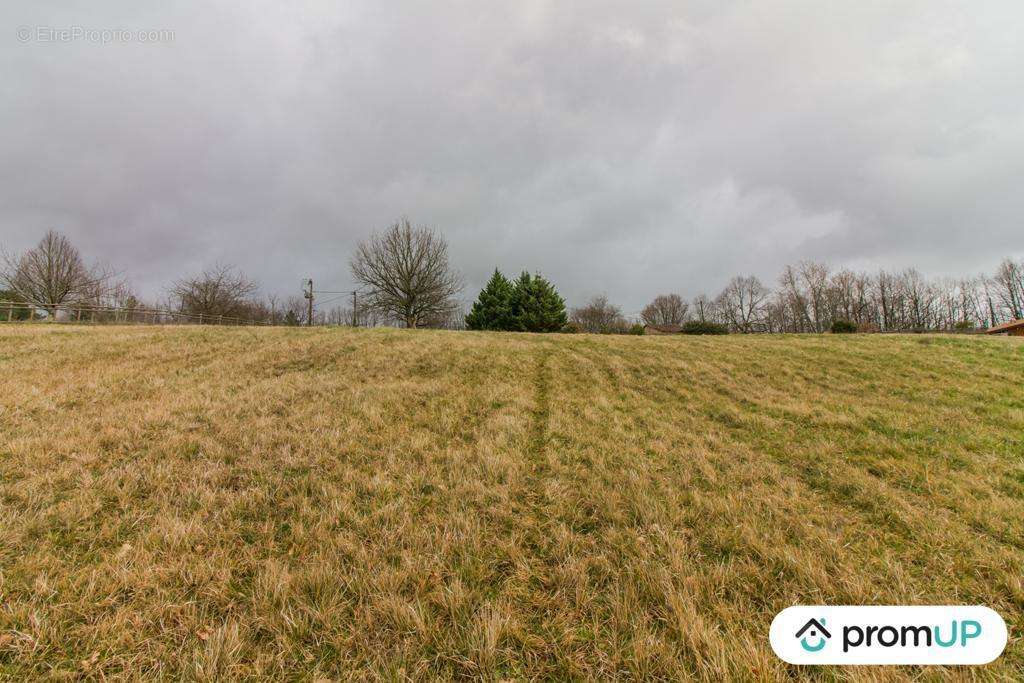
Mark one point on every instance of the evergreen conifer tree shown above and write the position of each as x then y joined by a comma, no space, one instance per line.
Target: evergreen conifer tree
536,306
493,308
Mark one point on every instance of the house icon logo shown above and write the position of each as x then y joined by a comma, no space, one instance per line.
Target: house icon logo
815,631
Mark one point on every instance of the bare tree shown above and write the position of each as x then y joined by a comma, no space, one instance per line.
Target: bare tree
920,299
294,311
990,306
794,300
704,309
742,303
777,313
599,316
273,303
971,309
815,280
218,291
407,274
666,309
53,274
889,300
1009,283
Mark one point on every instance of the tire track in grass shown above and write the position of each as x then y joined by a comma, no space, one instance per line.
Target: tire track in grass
541,414
534,498
538,509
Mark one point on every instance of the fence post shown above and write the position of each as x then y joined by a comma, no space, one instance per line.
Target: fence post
10,311
32,313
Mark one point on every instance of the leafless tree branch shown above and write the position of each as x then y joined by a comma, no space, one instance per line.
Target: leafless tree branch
407,274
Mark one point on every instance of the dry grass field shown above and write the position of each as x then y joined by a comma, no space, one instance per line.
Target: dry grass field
224,503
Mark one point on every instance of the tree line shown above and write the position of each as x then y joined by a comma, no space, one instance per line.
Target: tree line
405,274
406,278
54,277
810,297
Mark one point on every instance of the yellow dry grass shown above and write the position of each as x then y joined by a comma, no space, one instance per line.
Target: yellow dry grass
218,503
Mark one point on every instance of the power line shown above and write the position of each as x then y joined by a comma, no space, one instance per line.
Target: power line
332,299
339,294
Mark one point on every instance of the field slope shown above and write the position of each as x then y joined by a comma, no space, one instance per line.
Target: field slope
222,503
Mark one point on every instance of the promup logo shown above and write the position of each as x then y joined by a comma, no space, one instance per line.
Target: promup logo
817,630
888,635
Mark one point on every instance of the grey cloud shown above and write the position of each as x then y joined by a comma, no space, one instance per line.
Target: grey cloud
620,148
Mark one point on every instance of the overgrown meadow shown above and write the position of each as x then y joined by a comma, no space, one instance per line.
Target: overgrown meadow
225,503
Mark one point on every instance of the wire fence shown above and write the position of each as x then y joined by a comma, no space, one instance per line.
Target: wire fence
13,312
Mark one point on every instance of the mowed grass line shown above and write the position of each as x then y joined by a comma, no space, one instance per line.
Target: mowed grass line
216,503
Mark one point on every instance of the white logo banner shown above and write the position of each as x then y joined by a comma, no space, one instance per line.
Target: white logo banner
822,634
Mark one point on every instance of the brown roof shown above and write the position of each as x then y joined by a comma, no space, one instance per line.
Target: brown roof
1006,327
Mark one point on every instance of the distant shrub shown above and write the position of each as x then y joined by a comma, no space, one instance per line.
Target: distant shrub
964,326
637,328
868,328
704,327
572,328
843,327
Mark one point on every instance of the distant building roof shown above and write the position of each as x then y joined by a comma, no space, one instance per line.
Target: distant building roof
1006,327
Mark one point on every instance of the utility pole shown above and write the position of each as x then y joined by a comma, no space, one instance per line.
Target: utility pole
355,320
309,304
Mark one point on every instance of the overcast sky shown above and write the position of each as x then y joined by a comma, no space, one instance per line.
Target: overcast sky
623,148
